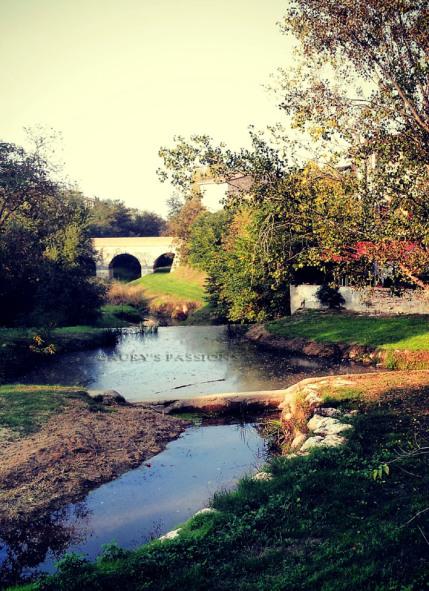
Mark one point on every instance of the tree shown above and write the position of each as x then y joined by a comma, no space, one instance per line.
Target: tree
46,253
180,225
24,181
381,46
385,41
113,218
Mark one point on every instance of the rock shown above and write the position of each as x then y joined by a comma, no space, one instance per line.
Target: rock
298,441
356,352
206,510
319,441
262,476
257,332
111,398
323,350
312,442
351,414
333,441
328,412
326,425
170,535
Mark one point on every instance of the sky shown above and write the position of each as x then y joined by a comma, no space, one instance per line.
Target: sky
118,79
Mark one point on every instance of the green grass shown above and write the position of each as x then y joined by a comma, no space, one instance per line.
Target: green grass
171,284
394,332
24,409
323,523
119,316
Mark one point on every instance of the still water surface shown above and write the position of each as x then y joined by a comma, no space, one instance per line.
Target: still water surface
143,503
179,362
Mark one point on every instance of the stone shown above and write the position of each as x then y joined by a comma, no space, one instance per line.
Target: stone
170,535
111,398
321,425
298,440
319,441
262,476
323,350
206,510
333,441
311,443
328,412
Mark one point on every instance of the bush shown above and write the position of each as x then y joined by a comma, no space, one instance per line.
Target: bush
330,297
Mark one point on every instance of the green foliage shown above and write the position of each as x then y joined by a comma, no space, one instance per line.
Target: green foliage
330,297
46,253
110,217
119,315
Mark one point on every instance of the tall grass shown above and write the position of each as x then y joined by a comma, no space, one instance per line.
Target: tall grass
175,294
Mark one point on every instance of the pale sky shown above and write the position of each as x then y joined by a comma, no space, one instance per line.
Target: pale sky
120,78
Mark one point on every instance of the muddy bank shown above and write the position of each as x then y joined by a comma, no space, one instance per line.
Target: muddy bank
303,346
338,352
75,451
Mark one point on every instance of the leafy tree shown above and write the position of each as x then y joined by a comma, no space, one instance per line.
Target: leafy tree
181,223
24,181
46,253
113,218
361,89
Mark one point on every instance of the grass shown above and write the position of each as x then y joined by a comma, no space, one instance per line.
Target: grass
322,523
393,332
24,409
119,316
181,285
179,294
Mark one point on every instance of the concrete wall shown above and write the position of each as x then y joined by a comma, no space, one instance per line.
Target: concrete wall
377,300
146,251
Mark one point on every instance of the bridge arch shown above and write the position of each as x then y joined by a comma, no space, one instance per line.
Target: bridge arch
164,262
125,267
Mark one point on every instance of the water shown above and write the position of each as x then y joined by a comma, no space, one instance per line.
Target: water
141,504
180,362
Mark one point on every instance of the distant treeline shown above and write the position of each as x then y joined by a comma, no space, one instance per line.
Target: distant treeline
111,217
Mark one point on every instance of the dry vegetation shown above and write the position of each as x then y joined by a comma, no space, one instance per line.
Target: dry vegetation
174,295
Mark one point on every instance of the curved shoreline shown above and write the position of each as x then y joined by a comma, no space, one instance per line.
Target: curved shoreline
75,451
397,359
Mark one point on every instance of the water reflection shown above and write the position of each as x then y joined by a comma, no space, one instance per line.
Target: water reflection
140,505
180,362
25,546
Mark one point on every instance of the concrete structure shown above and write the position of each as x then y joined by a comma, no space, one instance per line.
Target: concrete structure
375,300
145,250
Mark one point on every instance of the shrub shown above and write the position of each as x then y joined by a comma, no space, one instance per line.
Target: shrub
330,297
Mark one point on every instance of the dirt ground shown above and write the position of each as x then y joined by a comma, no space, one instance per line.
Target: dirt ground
75,451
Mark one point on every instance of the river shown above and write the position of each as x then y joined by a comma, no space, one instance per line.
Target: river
177,362
180,362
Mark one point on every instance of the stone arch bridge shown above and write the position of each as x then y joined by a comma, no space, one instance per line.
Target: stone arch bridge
145,254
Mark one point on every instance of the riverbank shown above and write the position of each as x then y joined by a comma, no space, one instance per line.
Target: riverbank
58,443
24,348
339,518
393,342
177,296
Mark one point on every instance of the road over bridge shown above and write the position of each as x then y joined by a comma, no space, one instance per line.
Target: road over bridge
139,255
